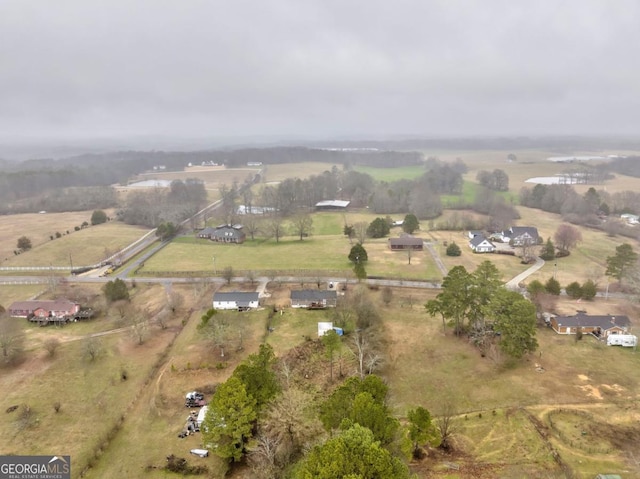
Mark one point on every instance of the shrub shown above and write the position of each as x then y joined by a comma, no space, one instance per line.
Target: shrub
98,217
589,290
552,286
453,250
574,290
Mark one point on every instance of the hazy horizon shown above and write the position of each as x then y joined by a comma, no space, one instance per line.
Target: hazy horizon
220,72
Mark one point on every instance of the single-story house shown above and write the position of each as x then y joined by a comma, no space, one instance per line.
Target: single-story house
332,205
480,244
406,242
601,326
313,298
238,300
520,235
224,234
56,308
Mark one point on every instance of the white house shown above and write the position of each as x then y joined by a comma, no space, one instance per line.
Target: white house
480,244
238,300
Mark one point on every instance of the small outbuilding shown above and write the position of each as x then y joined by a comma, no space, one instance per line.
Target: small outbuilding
332,205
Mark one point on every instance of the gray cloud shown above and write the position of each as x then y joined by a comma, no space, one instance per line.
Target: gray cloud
318,68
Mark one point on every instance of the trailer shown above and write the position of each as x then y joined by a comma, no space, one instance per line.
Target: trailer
624,340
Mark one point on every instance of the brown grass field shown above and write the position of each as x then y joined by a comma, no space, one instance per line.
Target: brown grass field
87,246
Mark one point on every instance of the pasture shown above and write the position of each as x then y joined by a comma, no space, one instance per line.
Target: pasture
84,247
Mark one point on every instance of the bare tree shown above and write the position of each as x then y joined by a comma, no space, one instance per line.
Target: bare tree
360,230
162,318
302,224
92,347
217,332
445,421
227,274
528,249
51,345
251,225
567,237
262,456
174,301
275,227
11,339
387,295
139,325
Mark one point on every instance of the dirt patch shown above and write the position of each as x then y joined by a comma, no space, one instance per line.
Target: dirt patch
591,391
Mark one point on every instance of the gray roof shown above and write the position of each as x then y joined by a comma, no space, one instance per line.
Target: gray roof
516,231
406,241
312,294
476,240
237,296
603,322
49,305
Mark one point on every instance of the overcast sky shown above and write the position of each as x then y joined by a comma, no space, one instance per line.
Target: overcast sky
318,68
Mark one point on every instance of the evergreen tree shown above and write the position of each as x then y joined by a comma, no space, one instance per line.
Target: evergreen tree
116,290
410,224
358,254
618,265
229,421
552,286
453,250
548,250
258,377
589,290
98,217
515,320
574,290
378,228
421,429
352,454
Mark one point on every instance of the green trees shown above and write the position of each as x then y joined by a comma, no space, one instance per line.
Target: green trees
116,290
332,343
358,254
229,420
618,266
589,290
453,250
421,429
515,319
454,300
574,290
232,413
352,454
410,224
166,231
256,373
470,301
24,243
98,217
361,401
552,286
378,228
548,250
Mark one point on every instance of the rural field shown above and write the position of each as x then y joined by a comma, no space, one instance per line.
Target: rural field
564,409
572,409
87,246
